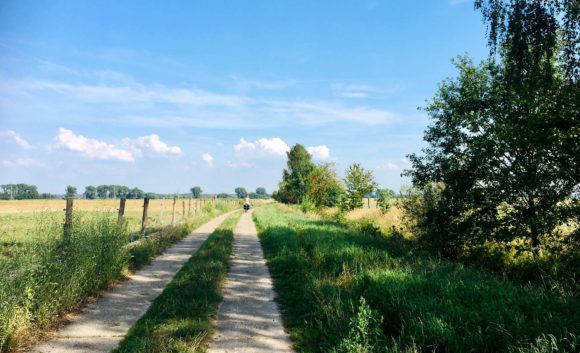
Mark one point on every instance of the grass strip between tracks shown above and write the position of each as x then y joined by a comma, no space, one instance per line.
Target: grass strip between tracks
180,318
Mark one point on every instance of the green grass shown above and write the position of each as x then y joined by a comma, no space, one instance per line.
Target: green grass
42,278
180,319
341,291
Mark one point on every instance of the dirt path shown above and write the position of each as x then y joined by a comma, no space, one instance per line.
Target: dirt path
102,325
248,318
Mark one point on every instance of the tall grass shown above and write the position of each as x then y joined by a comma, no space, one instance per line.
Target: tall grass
41,280
344,291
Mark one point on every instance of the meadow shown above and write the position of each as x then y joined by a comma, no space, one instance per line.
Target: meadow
344,290
19,217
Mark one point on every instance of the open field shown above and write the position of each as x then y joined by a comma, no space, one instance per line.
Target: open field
19,218
343,291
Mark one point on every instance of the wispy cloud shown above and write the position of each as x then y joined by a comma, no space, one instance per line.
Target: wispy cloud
11,136
244,83
353,90
157,105
23,162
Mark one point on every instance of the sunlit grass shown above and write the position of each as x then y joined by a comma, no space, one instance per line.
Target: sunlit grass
322,270
180,319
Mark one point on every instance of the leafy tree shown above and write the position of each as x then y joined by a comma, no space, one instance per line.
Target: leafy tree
384,197
71,192
102,191
90,192
359,183
222,195
241,192
324,187
261,191
19,192
196,192
504,141
294,185
136,193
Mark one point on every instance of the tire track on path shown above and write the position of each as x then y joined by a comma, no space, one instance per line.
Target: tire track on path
102,325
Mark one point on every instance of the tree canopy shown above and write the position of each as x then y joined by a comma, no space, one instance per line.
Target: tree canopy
505,135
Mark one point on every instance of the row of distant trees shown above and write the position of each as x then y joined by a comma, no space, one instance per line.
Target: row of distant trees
22,192
30,192
107,192
304,182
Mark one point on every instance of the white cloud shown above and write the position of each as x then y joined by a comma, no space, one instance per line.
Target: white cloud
262,147
151,143
392,166
23,162
13,136
126,151
319,152
91,148
208,159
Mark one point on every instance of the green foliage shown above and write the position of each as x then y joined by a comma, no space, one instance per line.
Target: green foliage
307,205
359,183
294,185
365,333
324,187
261,191
90,192
180,318
384,199
321,270
43,279
241,192
196,192
71,192
18,192
120,191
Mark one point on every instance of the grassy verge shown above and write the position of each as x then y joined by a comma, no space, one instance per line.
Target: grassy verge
180,319
342,291
147,249
42,280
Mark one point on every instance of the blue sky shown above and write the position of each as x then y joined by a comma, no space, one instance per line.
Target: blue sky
168,95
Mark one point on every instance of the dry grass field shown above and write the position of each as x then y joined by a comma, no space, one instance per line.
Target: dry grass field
19,217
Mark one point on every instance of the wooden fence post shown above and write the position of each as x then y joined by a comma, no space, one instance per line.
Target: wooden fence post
182,210
144,220
161,215
122,208
369,202
173,216
189,207
68,219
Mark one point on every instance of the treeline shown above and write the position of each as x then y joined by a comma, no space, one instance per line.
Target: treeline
317,186
113,192
22,192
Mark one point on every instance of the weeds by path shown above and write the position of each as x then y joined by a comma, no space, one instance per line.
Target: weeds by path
180,319
342,291
42,280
